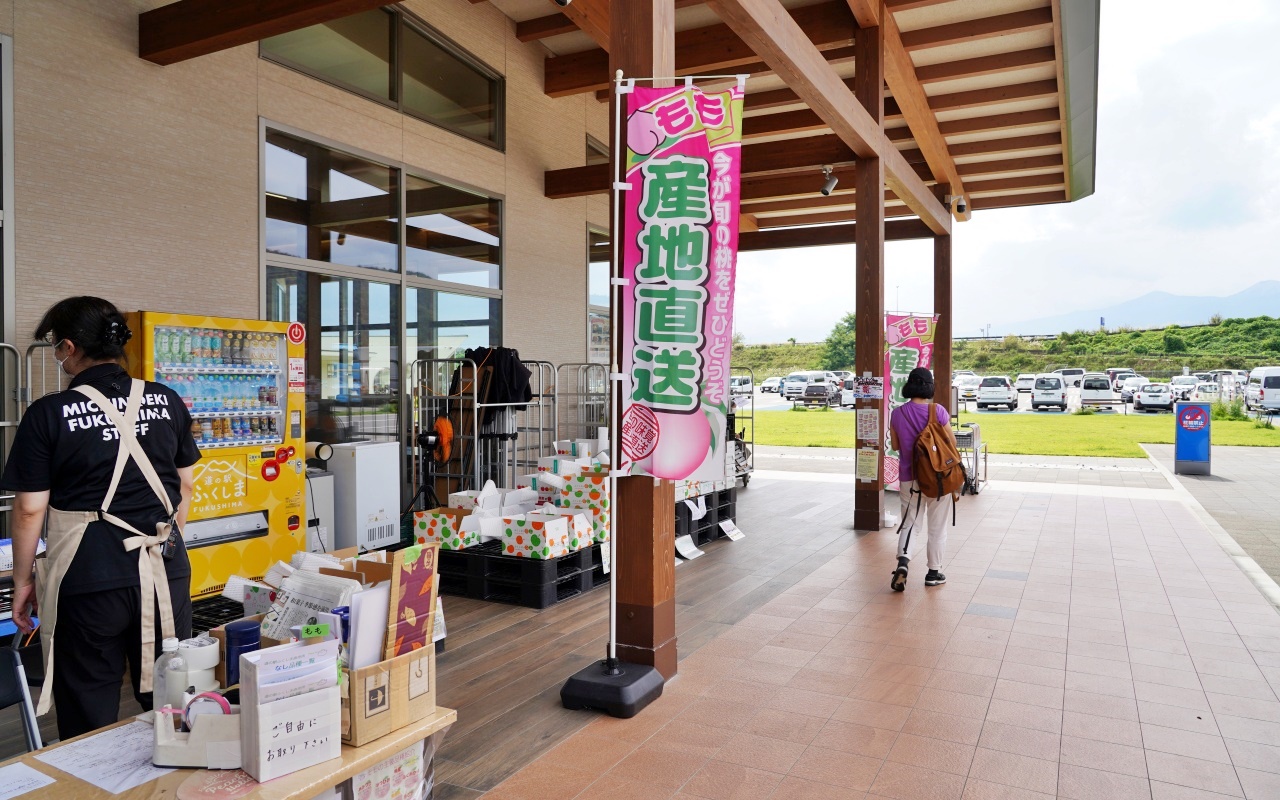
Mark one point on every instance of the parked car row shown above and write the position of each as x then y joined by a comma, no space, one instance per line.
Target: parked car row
1261,387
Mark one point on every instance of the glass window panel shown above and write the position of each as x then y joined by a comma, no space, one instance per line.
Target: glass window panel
354,51
442,87
353,353
597,153
327,205
452,235
598,255
443,324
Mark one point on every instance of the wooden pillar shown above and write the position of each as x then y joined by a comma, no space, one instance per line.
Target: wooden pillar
868,55
642,44
944,332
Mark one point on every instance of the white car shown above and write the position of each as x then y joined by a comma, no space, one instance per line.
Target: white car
968,385
1049,391
1130,386
1071,376
771,385
1095,388
1026,382
996,390
1205,393
1263,389
1153,396
793,385
740,384
958,375
1183,386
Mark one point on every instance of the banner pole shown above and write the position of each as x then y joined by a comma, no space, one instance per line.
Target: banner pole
615,368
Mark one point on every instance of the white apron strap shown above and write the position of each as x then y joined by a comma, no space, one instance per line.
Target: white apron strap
152,576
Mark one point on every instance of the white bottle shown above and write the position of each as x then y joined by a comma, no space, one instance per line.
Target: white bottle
159,688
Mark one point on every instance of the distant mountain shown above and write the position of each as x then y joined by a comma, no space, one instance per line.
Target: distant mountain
1157,309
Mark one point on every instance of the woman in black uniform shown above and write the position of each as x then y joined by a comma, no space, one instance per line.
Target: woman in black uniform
109,462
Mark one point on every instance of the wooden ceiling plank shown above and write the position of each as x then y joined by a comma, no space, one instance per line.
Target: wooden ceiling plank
1029,163
706,49
1010,144
772,33
1009,201
827,235
975,98
999,122
986,65
1047,180
191,28
973,29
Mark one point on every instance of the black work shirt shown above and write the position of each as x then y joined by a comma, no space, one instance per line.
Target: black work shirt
66,446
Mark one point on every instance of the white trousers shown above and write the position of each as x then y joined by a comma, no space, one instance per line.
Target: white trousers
935,513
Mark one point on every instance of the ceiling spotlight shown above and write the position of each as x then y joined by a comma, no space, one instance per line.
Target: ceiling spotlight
830,185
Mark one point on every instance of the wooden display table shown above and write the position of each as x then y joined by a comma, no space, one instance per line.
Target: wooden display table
302,785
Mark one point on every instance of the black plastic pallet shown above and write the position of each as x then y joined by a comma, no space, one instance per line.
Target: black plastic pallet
722,505
483,572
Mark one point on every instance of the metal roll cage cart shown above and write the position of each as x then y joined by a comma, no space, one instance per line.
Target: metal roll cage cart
488,441
583,398
973,451
741,437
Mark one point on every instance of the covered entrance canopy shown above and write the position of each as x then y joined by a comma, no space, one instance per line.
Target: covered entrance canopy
927,111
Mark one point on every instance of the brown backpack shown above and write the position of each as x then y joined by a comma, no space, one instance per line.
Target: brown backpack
936,461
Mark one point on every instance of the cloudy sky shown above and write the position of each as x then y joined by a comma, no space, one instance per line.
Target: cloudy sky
1187,195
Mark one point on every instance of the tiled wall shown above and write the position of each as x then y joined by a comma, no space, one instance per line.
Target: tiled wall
140,182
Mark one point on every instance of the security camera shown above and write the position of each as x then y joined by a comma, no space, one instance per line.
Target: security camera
961,207
563,3
830,185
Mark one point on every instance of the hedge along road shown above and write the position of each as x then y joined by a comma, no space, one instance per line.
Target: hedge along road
1045,434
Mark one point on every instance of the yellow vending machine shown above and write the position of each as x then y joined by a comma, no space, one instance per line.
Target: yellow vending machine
244,381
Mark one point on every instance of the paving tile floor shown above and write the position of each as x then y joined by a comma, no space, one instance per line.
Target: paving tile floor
1241,496
1087,645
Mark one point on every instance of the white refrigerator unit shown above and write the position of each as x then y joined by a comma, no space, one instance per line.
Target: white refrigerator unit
366,494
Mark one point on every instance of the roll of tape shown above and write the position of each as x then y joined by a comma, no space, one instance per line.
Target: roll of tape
205,703
200,653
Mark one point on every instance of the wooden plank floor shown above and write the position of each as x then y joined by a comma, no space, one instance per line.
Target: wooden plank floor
503,665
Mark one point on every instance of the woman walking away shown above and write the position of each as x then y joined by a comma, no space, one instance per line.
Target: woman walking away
905,425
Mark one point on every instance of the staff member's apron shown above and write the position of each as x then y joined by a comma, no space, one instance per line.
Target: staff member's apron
66,530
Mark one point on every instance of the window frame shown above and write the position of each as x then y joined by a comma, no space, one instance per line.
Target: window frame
400,280
400,19
594,230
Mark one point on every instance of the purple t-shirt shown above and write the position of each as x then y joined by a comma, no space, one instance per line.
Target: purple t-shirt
908,421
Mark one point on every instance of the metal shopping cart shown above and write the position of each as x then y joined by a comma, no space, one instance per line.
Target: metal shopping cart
973,453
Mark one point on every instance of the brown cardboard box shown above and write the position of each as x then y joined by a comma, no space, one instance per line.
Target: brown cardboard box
384,697
220,671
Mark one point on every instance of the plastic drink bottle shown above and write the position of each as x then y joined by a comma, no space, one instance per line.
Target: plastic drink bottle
184,348
215,347
159,691
162,346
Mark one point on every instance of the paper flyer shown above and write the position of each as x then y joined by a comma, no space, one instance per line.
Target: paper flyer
867,467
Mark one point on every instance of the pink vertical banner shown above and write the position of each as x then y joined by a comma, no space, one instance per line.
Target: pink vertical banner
679,245
908,343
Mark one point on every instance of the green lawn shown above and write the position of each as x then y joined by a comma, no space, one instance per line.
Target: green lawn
1048,434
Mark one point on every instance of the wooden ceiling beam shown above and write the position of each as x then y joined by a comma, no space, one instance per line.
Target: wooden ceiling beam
1027,164
776,36
591,17
806,121
986,65
1049,180
975,29
1009,144
922,122
713,47
826,218
814,201
827,235
1011,200
191,28
538,28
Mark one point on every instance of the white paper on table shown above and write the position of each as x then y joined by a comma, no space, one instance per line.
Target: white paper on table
17,779
292,660
116,760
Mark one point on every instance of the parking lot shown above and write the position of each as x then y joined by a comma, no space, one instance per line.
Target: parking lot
769,401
